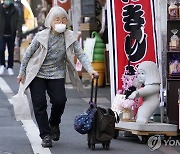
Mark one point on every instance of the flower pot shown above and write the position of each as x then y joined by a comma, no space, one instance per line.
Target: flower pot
98,58
99,67
99,51
100,45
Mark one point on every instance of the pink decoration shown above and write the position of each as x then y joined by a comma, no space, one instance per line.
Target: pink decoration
137,103
127,81
127,103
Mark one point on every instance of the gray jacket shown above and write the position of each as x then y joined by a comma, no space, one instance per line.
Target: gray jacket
38,57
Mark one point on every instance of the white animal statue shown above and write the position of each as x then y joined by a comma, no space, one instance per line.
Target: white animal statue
148,75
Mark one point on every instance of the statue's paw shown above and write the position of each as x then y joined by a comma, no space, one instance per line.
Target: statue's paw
142,120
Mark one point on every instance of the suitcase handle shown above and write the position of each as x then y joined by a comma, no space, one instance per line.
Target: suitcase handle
92,89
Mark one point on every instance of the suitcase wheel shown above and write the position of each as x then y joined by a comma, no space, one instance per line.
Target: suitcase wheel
106,146
92,146
89,145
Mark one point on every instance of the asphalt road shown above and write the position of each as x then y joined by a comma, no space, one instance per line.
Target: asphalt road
22,137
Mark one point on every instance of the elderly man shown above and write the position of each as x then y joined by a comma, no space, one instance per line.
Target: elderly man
10,23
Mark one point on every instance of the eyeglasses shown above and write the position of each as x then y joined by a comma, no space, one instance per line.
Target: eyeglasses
60,19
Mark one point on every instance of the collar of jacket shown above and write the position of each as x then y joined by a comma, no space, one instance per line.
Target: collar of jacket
43,39
11,8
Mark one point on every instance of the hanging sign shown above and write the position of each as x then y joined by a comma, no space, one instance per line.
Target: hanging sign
134,35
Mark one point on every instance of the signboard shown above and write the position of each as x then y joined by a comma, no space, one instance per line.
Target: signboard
132,37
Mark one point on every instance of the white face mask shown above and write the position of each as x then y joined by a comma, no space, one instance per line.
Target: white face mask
60,28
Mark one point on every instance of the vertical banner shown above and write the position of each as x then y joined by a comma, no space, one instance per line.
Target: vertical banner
133,37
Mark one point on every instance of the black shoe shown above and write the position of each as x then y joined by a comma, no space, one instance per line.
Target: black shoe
55,133
46,141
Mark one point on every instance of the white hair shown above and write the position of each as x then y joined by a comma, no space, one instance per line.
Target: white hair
152,72
54,12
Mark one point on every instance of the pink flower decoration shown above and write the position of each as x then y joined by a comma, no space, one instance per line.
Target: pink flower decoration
127,103
127,81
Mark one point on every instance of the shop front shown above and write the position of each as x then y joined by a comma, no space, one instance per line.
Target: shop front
137,34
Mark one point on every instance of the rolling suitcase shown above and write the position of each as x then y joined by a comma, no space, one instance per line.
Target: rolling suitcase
103,126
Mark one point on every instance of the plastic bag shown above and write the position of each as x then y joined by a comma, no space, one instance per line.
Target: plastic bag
22,108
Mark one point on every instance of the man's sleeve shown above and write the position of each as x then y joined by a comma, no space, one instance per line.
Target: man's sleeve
19,24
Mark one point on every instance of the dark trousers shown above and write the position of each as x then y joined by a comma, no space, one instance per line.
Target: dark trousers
55,88
9,41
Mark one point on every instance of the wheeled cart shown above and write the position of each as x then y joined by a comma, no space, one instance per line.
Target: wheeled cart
144,131
103,125
92,139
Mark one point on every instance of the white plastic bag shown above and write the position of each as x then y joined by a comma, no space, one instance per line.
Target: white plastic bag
117,103
89,47
22,106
